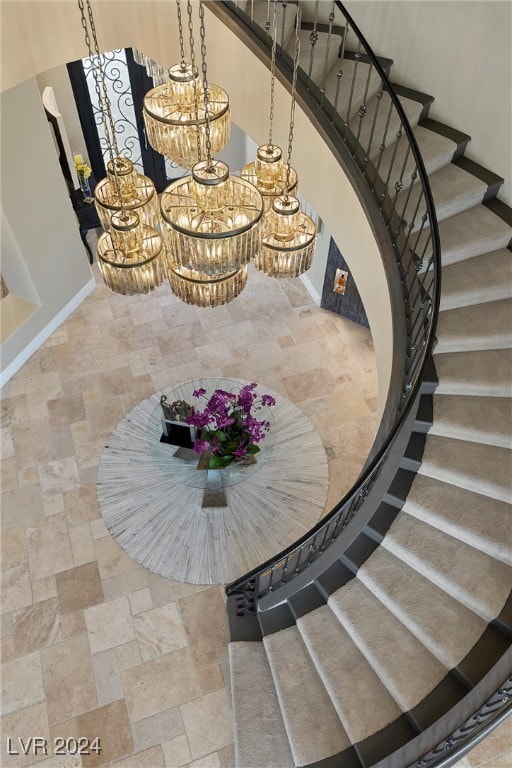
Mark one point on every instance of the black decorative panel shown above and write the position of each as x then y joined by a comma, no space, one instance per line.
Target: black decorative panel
349,304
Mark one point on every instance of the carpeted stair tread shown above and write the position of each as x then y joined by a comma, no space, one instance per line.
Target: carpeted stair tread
476,419
484,326
484,278
258,9
478,581
260,734
412,109
322,48
483,470
313,727
479,521
482,372
454,190
447,628
348,67
405,666
347,676
477,230
436,151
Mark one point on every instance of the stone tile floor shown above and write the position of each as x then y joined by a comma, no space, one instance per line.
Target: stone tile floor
92,643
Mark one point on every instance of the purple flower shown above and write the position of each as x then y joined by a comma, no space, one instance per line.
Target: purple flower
239,452
267,400
201,445
199,392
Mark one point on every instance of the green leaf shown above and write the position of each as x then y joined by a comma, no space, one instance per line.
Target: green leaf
219,462
252,448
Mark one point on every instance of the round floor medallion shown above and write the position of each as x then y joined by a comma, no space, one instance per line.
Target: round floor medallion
151,494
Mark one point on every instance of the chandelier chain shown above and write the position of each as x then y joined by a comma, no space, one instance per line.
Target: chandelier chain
180,32
101,89
205,83
194,71
105,100
292,108
272,73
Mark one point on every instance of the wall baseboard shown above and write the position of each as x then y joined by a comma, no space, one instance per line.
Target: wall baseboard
8,372
311,289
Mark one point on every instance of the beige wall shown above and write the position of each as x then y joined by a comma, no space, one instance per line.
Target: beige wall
43,257
459,52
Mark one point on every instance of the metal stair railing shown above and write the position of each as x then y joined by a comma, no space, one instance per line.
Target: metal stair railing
404,200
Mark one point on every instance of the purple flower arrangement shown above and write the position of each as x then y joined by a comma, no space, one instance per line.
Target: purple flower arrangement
228,429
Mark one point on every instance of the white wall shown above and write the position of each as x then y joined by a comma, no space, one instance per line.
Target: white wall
43,256
461,53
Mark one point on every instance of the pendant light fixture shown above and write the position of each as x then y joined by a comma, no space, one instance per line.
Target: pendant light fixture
211,222
175,119
289,235
130,253
268,173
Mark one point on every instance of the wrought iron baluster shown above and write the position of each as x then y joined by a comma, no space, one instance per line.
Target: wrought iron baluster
393,158
412,181
363,107
284,5
357,57
399,185
374,123
313,38
382,145
339,74
329,36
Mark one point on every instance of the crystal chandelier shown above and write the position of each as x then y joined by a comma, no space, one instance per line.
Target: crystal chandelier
211,223
289,235
130,251
132,190
174,116
268,173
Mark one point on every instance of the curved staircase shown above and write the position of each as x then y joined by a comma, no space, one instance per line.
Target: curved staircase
375,661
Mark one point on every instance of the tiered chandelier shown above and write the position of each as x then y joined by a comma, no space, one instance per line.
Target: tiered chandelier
213,223
268,172
211,219
289,235
178,116
130,255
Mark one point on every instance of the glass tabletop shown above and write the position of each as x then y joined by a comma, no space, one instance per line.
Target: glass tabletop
181,463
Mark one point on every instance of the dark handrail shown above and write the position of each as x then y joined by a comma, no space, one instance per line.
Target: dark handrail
297,556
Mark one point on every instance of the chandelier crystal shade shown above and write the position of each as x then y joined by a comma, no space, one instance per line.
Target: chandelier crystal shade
191,286
175,117
129,252
269,173
211,221
130,255
289,238
125,188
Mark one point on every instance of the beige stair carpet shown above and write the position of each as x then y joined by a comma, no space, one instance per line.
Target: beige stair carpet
477,520
260,735
314,729
479,372
448,629
484,326
394,653
476,419
482,279
475,579
350,681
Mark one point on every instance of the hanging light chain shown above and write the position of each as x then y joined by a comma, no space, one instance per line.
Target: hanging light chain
205,83
194,70
292,108
272,73
102,94
180,31
106,100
